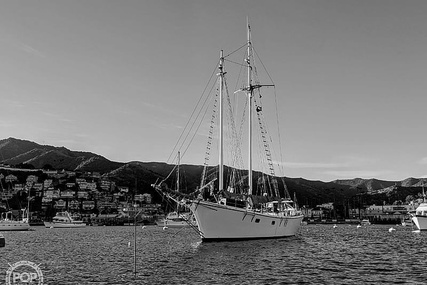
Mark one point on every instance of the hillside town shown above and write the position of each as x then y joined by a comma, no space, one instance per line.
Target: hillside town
97,200
88,195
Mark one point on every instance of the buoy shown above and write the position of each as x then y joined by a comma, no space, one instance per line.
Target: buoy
391,229
335,226
2,241
128,244
165,227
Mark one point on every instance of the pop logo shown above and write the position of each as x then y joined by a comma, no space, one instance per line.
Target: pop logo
24,272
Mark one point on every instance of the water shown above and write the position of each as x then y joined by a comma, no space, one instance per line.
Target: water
319,254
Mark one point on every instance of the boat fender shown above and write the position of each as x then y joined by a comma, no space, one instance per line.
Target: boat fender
2,241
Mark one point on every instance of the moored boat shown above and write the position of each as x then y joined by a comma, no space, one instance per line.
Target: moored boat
64,220
176,220
407,220
7,223
419,218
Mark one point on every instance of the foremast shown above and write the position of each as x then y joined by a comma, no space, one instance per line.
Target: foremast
221,123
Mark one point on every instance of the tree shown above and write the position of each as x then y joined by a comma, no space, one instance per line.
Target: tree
409,198
47,166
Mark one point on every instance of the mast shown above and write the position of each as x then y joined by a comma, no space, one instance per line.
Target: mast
249,93
221,123
177,180
424,195
177,171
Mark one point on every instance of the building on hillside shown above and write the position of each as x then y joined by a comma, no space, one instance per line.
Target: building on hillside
91,186
32,178
38,186
107,185
82,194
47,183
67,194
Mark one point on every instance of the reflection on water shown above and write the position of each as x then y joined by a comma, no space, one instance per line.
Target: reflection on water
319,254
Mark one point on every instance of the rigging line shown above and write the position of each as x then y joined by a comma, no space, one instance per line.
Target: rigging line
281,166
236,63
245,45
194,110
194,121
198,127
268,74
277,113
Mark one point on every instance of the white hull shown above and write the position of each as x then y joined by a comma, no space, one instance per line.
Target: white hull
64,225
420,222
221,222
14,226
420,217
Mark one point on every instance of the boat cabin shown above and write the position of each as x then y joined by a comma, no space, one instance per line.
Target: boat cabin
421,210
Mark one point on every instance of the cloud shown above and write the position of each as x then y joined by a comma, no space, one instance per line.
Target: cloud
357,173
30,50
423,160
312,165
347,161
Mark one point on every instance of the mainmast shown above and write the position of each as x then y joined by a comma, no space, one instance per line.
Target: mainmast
249,90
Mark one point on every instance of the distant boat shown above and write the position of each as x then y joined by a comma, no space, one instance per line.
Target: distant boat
365,222
64,220
420,216
8,224
177,220
407,220
233,208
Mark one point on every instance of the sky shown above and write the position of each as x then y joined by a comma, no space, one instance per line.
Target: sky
120,78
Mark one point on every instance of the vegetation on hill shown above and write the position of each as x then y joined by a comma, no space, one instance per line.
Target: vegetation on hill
140,175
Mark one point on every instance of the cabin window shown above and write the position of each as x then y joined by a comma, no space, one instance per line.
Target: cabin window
257,220
273,222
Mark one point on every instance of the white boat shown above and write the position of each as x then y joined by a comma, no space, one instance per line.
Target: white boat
230,209
177,220
365,222
419,218
64,220
8,224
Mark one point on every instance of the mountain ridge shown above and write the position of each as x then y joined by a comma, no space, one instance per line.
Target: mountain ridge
17,152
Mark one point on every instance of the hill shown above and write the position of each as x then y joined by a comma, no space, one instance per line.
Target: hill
140,175
21,152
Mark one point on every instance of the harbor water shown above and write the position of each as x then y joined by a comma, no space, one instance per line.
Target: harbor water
319,254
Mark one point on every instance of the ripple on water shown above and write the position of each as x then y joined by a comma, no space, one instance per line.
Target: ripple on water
319,254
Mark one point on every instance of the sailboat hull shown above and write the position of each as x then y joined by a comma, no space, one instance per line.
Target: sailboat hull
218,222
14,226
